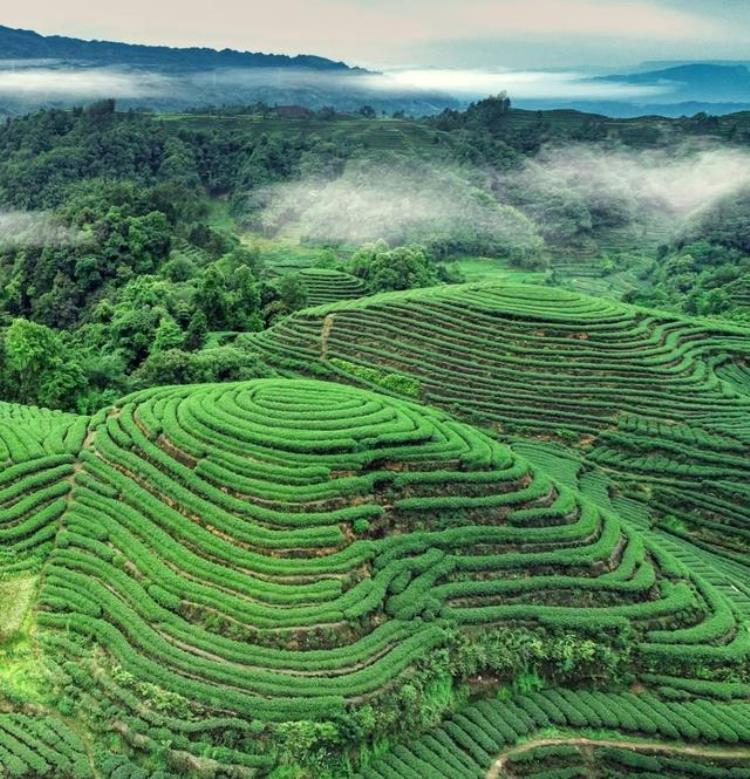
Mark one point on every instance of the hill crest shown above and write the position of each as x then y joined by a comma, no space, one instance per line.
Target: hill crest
27,44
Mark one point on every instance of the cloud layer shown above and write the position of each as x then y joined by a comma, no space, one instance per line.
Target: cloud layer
60,83
34,229
79,84
676,182
518,84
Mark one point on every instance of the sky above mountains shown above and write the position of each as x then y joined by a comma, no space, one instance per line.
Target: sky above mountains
416,33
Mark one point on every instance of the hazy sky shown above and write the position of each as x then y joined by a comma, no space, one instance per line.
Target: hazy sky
446,33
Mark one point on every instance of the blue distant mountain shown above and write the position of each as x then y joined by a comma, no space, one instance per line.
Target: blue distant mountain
695,82
682,89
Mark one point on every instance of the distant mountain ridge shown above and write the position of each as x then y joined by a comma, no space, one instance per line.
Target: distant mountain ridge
700,81
664,64
169,79
27,44
166,79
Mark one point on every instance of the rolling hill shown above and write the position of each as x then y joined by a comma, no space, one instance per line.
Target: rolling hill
212,564
658,401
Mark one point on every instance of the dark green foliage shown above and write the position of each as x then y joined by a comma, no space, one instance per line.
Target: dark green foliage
383,269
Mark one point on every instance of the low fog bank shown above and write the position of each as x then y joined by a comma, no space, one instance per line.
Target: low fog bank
443,206
35,229
58,77
63,83
43,84
676,181
426,90
521,84
563,195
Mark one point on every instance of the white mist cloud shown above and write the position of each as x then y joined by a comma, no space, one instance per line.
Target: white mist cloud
399,201
461,83
518,84
33,229
441,203
676,181
73,83
79,83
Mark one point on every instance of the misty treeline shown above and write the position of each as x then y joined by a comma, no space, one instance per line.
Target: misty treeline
125,261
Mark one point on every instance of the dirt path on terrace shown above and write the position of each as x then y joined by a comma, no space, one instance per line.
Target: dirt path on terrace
495,771
325,332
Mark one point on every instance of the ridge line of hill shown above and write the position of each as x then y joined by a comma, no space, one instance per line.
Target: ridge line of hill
28,44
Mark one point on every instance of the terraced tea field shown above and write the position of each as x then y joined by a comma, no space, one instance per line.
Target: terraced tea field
326,286
525,732
223,561
36,447
660,402
35,746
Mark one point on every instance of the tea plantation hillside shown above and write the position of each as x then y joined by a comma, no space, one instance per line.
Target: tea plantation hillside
326,286
36,449
285,577
565,733
27,432
660,402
